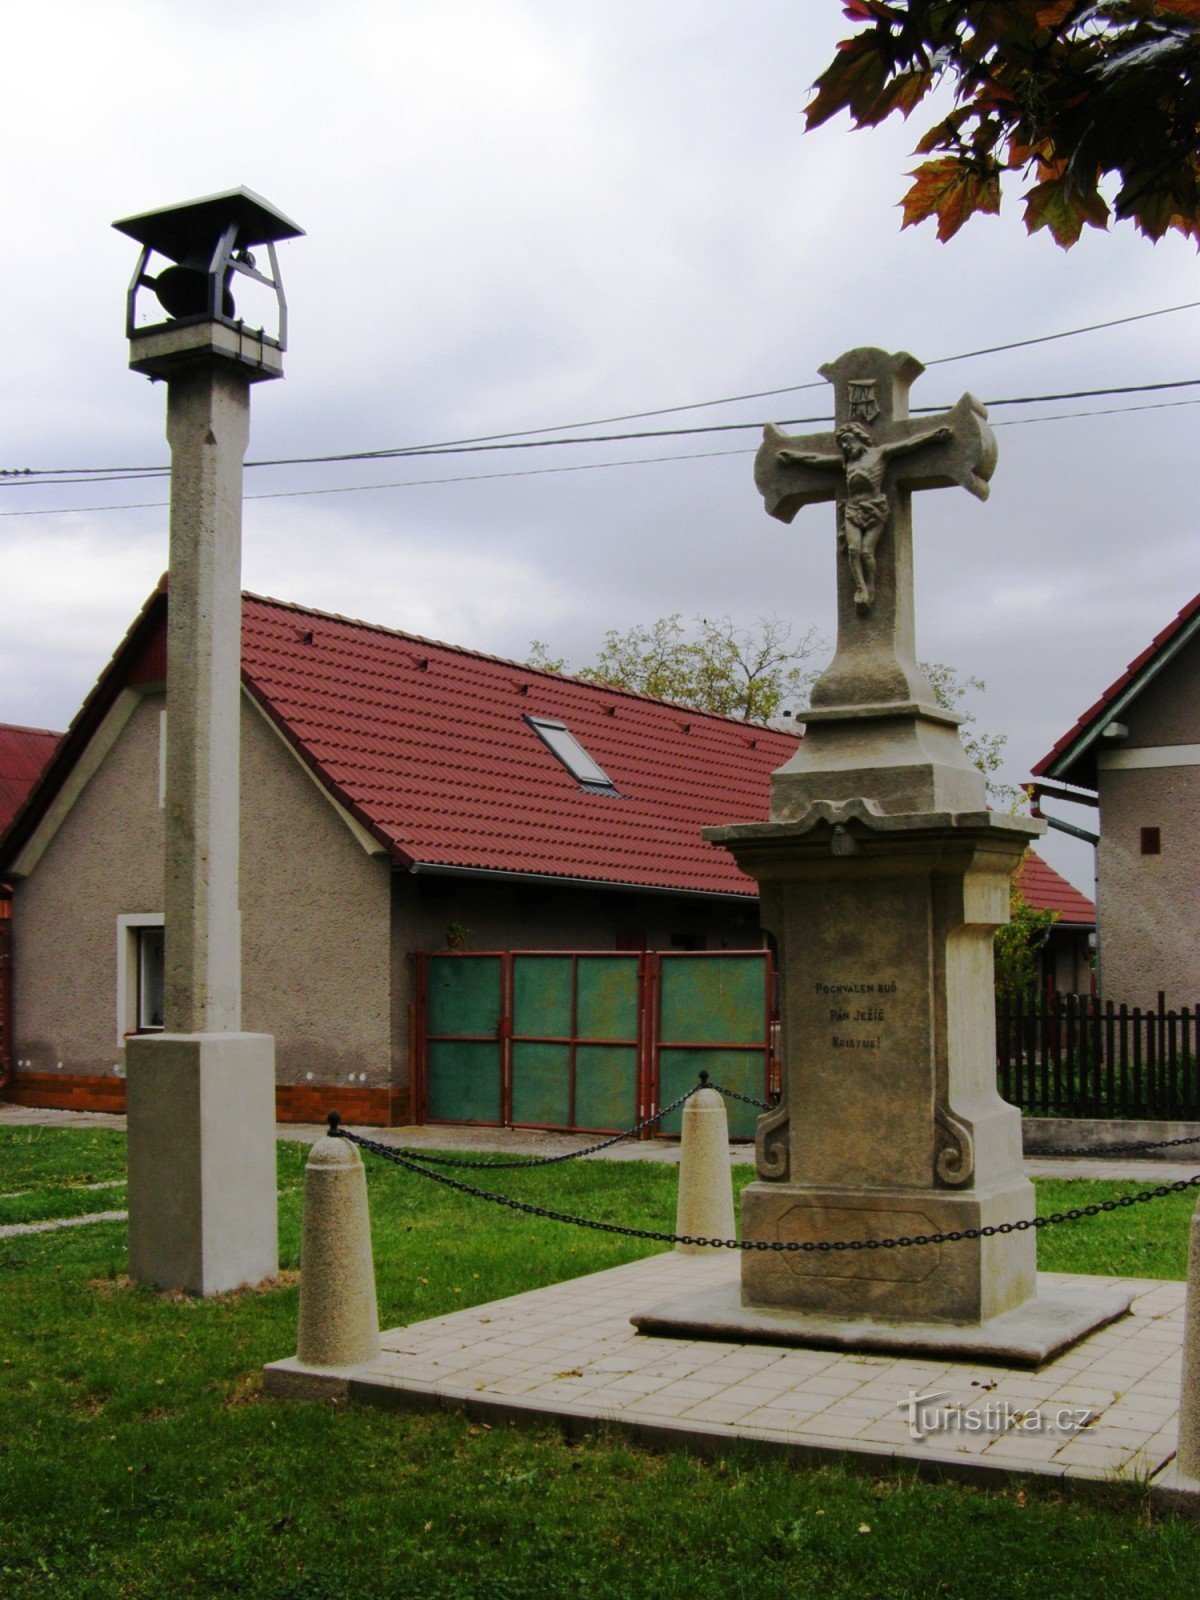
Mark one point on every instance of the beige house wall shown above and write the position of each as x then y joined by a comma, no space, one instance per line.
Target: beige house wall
104,861
1148,914
1148,908
315,915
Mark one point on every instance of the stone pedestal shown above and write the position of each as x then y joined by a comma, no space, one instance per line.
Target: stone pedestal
202,1207
891,1125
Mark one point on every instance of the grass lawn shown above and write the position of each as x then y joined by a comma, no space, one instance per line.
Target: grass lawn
139,1458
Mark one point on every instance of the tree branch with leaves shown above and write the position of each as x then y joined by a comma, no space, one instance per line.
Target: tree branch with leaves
749,673
1069,94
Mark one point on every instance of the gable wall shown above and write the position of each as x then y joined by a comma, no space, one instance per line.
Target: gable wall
1168,709
1148,906
315,910
105,860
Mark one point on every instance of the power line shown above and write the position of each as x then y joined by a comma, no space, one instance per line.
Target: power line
65,475
651,433
540,472
408,483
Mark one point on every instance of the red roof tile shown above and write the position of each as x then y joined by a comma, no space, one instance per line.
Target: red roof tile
24,752
1053,764
1047,890
428,745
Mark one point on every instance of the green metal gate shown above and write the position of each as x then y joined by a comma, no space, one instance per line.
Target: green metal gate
713,1013
589,1041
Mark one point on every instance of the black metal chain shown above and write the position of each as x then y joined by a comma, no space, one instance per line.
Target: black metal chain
588,1150
541,1161
807,1246
732,1094
1116,1149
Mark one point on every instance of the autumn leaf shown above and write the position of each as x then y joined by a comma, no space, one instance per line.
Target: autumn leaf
852,81
1054,204
951,191
902,94
1044,88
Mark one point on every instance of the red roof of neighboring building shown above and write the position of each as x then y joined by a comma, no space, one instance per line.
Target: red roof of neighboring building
24,753
1047,890
1077,765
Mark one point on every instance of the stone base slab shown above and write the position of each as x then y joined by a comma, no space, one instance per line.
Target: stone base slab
1060,1315
568,1356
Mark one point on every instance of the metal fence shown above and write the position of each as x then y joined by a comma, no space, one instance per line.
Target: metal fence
1078,1056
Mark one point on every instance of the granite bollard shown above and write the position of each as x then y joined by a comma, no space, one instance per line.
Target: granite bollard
704,1208
339,1318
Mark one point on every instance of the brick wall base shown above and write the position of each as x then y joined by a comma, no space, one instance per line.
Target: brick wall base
66,1091
310,1102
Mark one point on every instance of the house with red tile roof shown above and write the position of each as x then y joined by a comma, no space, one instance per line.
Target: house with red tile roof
1065,962
1136,753
399,797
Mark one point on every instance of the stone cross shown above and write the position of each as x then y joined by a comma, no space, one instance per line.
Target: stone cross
870,463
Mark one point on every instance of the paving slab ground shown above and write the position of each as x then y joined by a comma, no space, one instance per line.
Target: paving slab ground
569,1356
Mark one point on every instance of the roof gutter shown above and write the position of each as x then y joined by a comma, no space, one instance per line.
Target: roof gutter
553,880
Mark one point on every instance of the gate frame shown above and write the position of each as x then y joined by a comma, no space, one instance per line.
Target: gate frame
647,1043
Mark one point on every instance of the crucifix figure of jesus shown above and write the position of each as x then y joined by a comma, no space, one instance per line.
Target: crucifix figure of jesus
865,507
870,463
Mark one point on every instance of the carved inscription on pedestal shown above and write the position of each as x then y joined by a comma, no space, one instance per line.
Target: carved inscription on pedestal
857,1013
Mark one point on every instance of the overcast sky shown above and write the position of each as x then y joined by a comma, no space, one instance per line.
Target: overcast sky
530,213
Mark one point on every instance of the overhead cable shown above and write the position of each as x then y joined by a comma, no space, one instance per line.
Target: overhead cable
540,472
66,474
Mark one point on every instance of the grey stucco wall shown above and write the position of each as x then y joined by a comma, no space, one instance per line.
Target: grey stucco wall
315,916
1148,913
1148,907
104,861
1168,709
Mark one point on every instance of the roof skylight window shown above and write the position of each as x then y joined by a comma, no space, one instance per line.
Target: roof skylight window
563,744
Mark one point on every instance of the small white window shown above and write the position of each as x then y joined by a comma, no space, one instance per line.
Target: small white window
573,756
139,974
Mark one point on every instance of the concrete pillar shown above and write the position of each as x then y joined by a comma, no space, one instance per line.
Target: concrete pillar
705,1204
208,426
339,1318
1187,1461
200,1218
